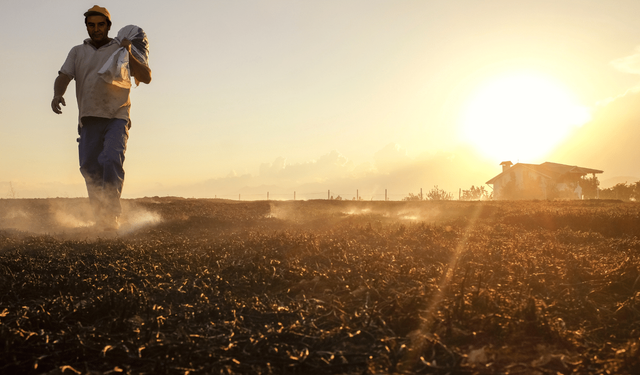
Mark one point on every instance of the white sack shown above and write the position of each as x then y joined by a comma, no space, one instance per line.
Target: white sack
116,70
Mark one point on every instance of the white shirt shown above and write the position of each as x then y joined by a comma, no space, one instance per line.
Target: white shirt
96,98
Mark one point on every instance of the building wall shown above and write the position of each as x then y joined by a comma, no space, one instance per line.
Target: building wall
528,185
576,191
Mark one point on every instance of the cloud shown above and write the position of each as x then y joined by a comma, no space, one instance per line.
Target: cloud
273,169
629,64
391,157
391,168
327,166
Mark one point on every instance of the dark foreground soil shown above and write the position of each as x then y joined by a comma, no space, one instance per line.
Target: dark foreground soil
191,286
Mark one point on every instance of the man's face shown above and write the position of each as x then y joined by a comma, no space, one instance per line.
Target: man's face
98,29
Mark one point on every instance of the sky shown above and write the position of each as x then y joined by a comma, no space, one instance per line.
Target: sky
318,98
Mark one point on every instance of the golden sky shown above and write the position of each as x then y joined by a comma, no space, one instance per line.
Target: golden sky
306,96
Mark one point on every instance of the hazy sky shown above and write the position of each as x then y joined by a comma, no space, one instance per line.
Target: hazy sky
283,96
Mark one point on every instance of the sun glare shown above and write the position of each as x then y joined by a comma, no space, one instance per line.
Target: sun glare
521,117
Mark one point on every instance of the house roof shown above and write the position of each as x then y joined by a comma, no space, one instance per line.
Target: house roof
549,170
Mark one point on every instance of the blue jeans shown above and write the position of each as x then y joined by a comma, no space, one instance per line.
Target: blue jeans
101,148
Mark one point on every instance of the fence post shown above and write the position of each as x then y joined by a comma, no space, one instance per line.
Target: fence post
238,196
385,195
328,194
421,194
267,195
294,195
357,195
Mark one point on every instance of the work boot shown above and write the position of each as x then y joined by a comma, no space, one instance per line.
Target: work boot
109,223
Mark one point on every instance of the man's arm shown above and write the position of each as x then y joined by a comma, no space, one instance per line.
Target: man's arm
138,69
59,88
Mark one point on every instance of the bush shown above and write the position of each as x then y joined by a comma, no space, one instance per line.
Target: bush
475,194
437,194
412,197
621,191
589,187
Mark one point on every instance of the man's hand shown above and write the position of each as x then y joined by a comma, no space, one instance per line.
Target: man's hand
59,88
55,104
141,72
126,43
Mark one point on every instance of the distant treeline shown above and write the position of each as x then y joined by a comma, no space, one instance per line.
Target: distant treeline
623,191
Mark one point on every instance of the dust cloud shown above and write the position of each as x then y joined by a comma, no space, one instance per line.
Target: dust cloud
137,218
68,217
327,210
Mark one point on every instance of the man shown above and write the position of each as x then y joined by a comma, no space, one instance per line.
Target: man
103,121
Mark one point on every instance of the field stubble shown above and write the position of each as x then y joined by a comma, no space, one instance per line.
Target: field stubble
192,286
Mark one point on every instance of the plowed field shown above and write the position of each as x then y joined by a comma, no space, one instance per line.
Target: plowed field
191,286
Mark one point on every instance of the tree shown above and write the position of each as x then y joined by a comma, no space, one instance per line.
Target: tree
412,197
621,191
437,194
589,187
475,193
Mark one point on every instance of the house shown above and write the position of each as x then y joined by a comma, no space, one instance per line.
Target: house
542,181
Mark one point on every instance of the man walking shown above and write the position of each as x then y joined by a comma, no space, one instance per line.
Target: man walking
104,109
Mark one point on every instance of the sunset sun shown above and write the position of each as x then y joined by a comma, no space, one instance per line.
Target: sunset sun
520,117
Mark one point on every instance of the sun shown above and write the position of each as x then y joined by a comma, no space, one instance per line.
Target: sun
521,117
